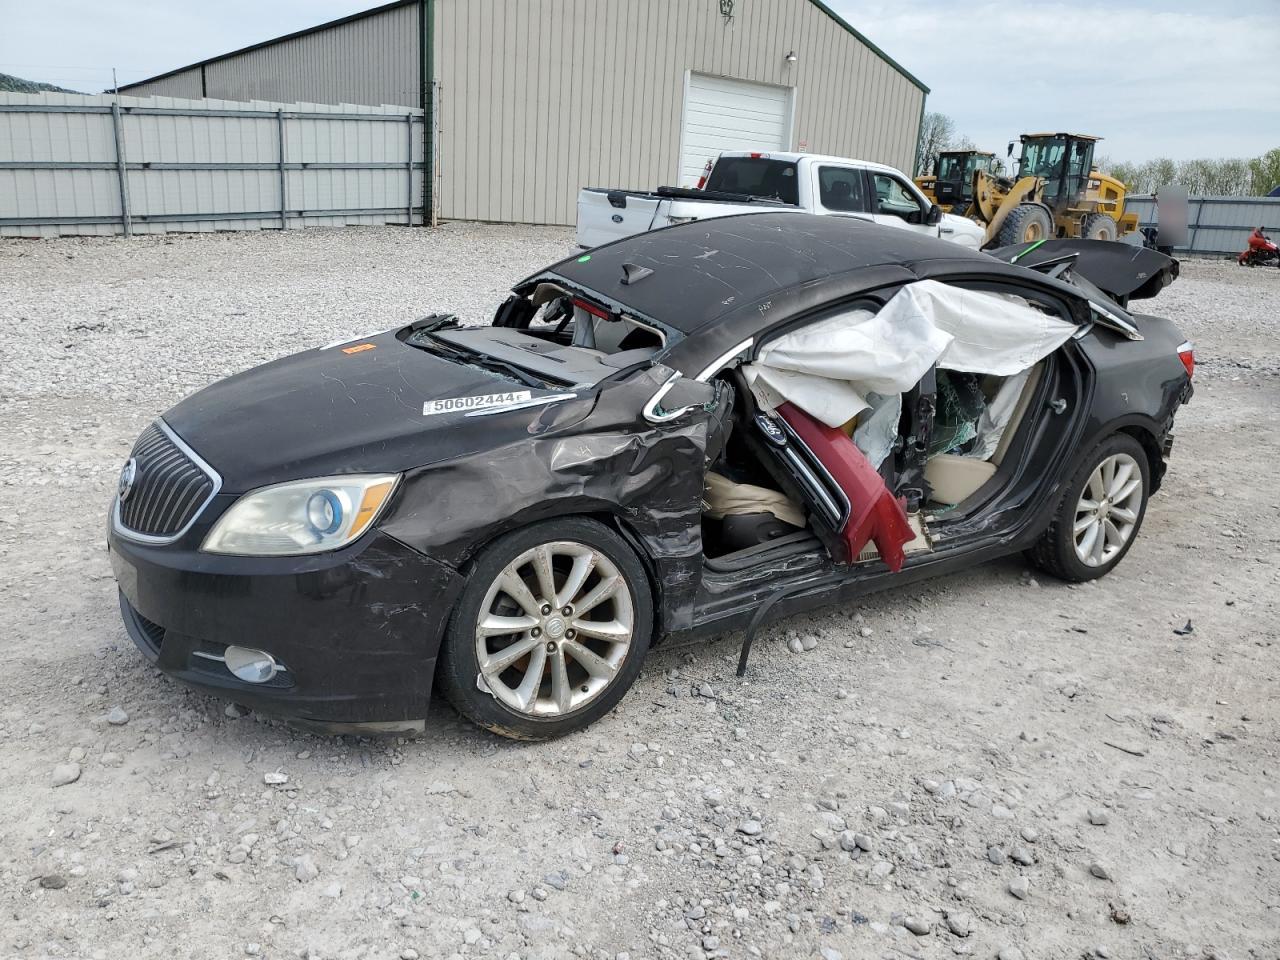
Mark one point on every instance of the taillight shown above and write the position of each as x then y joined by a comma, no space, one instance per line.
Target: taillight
1187,354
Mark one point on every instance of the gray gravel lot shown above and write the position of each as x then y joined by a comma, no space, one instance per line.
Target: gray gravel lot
990,764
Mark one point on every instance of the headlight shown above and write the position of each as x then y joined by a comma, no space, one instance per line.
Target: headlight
303,516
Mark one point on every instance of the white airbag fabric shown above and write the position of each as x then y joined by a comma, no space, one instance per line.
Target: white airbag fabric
997,414
828,368
993,333
876,433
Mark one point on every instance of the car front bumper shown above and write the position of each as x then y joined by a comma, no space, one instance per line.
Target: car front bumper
355,631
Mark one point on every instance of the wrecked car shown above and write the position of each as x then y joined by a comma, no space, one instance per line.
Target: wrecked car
681,434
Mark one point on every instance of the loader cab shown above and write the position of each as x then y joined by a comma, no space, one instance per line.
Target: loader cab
1063,161
953,173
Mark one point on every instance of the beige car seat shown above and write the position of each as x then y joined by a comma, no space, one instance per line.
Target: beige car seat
725,498
954,478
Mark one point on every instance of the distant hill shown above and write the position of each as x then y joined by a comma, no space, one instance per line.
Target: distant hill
10,84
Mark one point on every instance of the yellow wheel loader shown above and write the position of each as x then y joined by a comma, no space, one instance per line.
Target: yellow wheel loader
950,185
1056,193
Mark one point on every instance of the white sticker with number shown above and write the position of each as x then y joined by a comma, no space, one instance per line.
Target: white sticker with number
463,404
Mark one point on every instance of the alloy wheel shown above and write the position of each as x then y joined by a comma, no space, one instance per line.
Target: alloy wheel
1108,509
554,628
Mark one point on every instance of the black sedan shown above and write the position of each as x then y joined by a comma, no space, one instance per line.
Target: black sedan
683,433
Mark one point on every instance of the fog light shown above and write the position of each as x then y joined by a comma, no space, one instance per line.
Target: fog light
249,665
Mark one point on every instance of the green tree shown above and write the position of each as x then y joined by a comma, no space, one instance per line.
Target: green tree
937,134
936,131
1264,171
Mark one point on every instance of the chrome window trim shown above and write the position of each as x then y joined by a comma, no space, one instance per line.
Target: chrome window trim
718,364
825,486
117,523
651,411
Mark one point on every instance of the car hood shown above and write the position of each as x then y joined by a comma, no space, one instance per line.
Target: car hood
961,230
366,406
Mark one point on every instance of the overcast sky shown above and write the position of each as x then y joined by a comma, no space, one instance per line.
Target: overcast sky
1165,78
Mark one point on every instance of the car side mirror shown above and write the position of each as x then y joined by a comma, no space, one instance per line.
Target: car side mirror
934,216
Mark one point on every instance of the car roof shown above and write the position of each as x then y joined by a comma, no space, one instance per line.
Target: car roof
707,269
816,157
721,280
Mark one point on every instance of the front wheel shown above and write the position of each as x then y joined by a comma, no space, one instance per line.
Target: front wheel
1100,514
1099,226
1025,223
550,631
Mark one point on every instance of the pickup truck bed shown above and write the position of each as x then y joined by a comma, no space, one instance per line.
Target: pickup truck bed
605,215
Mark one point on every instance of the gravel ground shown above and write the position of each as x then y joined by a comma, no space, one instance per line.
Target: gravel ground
990,764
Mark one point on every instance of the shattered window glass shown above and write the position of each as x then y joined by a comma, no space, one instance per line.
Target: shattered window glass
960,404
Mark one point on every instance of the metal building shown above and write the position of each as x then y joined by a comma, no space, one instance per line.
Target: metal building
531,100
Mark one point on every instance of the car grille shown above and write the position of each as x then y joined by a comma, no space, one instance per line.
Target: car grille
169,487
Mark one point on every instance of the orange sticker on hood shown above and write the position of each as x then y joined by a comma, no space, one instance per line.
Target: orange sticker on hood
359,348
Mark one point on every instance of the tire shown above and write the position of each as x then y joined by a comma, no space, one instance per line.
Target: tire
1099,226
1025,223
1058,551
528,698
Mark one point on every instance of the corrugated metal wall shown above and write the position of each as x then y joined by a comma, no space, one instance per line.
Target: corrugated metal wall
203,164
1216,225
372,59
539,98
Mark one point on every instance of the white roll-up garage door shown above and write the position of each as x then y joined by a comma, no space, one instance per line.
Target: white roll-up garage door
722,114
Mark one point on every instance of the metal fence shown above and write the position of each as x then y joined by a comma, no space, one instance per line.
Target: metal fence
1216,225
102,164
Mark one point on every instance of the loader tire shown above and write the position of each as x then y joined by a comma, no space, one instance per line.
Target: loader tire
1026,223
1099,226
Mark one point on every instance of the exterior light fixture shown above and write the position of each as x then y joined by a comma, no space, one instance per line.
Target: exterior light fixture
791,56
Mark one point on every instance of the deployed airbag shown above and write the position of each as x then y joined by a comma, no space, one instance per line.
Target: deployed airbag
828,368
997,415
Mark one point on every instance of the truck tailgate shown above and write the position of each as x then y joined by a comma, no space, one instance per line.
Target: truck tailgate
607,215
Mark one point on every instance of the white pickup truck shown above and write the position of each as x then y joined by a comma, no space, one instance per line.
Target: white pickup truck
755,182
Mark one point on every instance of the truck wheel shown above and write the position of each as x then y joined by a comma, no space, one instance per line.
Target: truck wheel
549,632
1100,513
1099,226
1026,223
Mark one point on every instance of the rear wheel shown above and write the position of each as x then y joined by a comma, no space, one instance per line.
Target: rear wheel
1099,226
1026,223
1100,514
550,631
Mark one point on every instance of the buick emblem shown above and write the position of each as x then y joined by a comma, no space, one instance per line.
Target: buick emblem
127,476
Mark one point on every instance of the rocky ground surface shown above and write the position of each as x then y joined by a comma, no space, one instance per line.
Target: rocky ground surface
994,764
